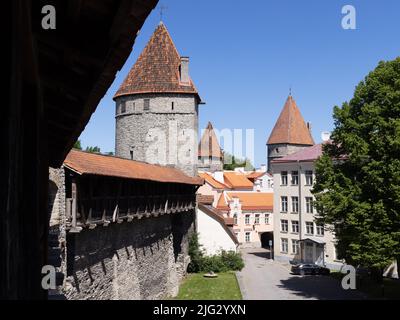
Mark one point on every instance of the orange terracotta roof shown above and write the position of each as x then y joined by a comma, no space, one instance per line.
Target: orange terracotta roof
249,200
290,126
157,69
97,164
209,145
237,180
211,181
255,175
204,199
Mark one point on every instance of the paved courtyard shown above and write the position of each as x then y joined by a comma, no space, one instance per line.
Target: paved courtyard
265,279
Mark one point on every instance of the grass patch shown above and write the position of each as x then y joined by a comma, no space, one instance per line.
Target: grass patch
197,287
391,289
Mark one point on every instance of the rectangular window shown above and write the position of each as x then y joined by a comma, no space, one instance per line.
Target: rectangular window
309,205
235,219
295,226
310,228
284,204
295,178
284,245
284,226
247,237
146,104
295,246
257,219
320,230
266,219
295,204
284,179
123,107
247,219
309,178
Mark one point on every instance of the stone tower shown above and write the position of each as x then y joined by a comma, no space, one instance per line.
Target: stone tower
210,153
290,133
157,108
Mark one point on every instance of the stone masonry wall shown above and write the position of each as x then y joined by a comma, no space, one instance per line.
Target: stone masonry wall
276,151
163,134
142,259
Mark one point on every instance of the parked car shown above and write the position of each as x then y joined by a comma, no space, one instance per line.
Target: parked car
303,269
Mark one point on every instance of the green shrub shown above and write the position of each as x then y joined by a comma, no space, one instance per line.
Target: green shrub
222,262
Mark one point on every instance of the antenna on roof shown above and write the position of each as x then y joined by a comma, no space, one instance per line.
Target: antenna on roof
162,9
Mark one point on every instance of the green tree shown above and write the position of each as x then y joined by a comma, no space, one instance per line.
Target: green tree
95,149
231,162
358,176
77,145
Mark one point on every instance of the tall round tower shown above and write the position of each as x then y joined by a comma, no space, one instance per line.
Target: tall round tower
290,133
157,108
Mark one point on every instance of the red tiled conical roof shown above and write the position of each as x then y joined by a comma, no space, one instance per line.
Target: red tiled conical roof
157,68
209,146
290,127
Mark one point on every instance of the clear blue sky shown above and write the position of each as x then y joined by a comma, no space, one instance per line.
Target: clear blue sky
244,56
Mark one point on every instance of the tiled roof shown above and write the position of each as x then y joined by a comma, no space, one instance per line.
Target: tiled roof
307,154
237,180
255,175
211,181
205,199
157,69
96,164
249,200
290,126
209,145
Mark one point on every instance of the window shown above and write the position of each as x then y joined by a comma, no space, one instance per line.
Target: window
310,228
295,178
235,219
247,237
320,230
123,107
247,219
284,225
146,104
266,219
295,246
172,105
309,205
257,219
295,226
133,107
309,177
284,245
284,178
284,204
295,204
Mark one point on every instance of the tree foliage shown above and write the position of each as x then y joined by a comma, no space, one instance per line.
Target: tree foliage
231,162
358,176
77,145
95,149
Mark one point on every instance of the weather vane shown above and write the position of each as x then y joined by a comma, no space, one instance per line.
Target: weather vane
162,9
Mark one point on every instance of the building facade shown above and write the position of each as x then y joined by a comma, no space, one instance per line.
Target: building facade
157,108
252,216
297,236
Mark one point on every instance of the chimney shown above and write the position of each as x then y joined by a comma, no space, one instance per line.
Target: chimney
184,70
263,168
